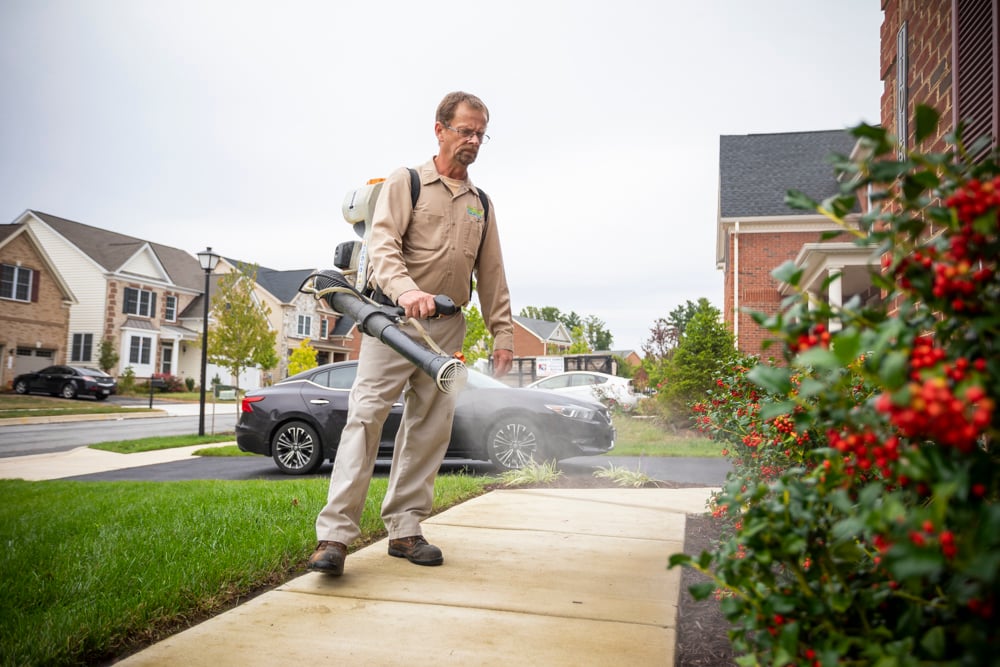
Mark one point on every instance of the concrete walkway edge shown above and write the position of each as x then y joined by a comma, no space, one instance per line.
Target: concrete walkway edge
531,577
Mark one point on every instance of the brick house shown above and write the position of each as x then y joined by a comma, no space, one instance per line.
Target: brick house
538,338
34,306
757,231
942,53
126,290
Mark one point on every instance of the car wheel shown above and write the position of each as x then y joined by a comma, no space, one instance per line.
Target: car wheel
512,443
21,387
296,449
68,390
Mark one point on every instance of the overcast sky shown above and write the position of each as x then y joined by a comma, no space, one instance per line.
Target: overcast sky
242,125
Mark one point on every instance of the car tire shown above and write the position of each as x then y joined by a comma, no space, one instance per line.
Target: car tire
296,449
512,442
20,387
68,390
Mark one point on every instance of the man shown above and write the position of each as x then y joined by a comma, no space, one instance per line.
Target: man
418,251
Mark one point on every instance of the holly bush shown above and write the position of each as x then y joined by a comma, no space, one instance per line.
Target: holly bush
863,524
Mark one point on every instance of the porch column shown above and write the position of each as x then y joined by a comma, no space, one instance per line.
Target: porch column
835,295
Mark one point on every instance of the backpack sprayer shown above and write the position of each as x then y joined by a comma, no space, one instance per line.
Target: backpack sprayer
373,318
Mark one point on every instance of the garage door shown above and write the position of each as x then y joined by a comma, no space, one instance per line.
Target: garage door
30,359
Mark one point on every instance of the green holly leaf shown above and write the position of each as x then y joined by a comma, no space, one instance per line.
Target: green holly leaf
926,122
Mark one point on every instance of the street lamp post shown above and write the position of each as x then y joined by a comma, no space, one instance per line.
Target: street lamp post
208,260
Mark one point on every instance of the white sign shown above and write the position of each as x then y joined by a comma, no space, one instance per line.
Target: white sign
548,366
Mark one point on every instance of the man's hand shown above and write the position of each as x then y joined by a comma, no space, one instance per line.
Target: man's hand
502,362
418,305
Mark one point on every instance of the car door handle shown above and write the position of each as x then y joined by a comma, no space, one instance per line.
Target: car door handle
319,401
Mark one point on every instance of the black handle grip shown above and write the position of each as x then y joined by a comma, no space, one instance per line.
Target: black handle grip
443,305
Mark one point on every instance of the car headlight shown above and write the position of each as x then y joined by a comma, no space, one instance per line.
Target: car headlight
572,411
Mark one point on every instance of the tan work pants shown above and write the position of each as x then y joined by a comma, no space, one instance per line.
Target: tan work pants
421,442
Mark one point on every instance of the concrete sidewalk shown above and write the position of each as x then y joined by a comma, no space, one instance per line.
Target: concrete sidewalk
531,577
87,461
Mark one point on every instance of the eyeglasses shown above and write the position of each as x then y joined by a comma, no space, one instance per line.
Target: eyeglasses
467,134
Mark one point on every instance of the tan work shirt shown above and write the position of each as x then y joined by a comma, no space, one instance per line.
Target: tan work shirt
437,249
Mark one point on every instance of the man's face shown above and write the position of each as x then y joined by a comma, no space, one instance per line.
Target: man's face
454,146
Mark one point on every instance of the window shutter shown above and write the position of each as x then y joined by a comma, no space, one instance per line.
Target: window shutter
977,68
152,304
36,277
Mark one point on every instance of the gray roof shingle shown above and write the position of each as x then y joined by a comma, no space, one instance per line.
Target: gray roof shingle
757,170
112,250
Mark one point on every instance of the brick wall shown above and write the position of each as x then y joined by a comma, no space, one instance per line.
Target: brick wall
526,344
45,322
929,72
759,254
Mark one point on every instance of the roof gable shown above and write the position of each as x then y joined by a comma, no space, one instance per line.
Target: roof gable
113,251
550,332
8,233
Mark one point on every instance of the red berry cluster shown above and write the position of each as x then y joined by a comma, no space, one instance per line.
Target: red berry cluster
947,404
955,273
974,200
818,336
865,452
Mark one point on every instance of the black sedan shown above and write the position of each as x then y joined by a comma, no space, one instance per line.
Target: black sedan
68,382
299,420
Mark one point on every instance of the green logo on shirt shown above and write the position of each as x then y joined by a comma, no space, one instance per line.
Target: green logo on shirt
476,213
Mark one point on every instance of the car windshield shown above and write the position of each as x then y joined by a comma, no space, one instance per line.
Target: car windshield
86,370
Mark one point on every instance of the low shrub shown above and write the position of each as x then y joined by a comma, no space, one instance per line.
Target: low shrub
863,515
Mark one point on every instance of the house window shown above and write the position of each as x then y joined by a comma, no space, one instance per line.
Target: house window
16,283
83,347
140,302
304,326
139,350
170,314
324,328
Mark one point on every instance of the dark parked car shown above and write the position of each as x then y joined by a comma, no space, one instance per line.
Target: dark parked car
68,382
299,420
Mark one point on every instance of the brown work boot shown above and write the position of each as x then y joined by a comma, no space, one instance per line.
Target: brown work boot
416,550
328,558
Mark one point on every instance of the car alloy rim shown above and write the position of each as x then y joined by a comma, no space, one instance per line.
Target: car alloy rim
515,445
295,448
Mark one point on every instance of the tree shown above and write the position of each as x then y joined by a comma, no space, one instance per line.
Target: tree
108,358
579,344
706,346
598,337
241,336
478,342
302,358
681,315
665,335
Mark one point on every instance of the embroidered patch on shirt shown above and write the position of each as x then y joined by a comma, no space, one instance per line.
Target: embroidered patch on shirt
475,213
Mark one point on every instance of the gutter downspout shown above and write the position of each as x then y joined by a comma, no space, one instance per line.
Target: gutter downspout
736,284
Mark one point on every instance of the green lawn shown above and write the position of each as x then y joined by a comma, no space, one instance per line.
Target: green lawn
15,405
644,437
89,568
